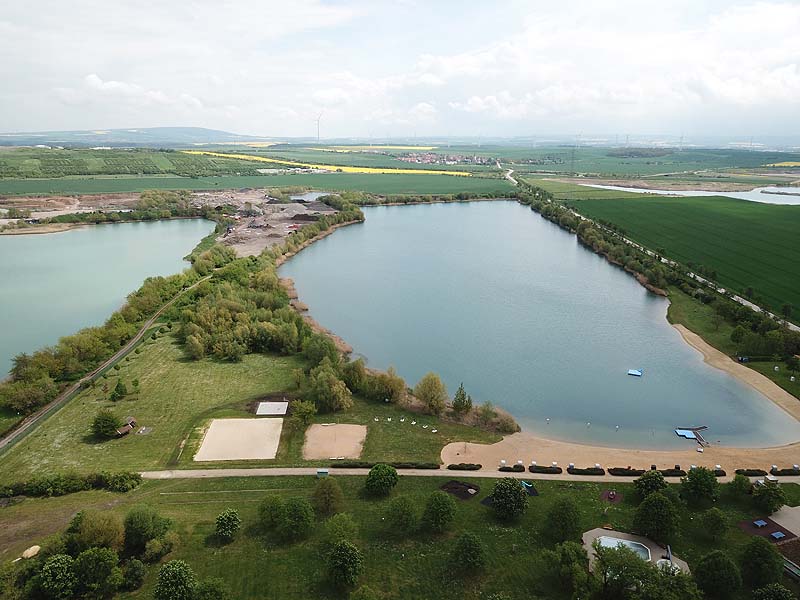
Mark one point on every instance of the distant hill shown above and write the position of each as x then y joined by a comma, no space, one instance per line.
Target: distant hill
146,136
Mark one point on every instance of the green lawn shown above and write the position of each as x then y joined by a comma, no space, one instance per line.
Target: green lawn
748,244
374,183
256,566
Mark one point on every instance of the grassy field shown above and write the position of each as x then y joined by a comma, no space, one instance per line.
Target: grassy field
398,567
748,244
378,184
177,397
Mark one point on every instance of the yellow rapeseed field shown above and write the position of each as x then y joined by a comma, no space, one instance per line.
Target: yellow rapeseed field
342,168
785,164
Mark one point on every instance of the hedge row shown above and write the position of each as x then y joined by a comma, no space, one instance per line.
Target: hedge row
61,485
465,467
587,471
784,472
672,472
360,464
625,472
751,472
545,470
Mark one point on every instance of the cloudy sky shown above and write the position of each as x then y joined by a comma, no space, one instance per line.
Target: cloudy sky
405,67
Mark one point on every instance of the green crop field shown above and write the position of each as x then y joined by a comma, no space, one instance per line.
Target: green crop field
397,564
748,244
374,183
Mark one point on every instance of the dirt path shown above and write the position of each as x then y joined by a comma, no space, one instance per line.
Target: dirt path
29,422
754,379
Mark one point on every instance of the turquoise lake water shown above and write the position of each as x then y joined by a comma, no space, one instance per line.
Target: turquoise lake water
491,294
52,285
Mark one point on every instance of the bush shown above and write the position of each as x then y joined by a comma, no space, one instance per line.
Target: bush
134,574
176,581
625,472
271,512
97,573
439,512
228,524
563,521
70,483
656,518
339,528
381,480
547,470
143,524
751,472
212,589
586,471
649,483
740,486
401,516
700,486
105,424
327,497
785,472
509,500
761,563
58,577
469,554
432,393
773,591
517,468
717,575
465,467
298,521
769,496
713,524
94,528
344,565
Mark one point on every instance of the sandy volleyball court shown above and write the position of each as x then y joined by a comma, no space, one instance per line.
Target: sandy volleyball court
240,439
334,441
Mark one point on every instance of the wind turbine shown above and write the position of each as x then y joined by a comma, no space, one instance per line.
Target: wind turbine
319,117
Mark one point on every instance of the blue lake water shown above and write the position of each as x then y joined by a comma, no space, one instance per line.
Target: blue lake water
52,285
491,294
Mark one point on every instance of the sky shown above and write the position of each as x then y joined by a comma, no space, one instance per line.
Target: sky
403,68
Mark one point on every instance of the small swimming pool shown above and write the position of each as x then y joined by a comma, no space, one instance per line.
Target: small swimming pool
641,550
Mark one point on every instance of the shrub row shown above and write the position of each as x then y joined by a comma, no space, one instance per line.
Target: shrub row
672,472
625,472
587,471
545,470
465,467
751,472
360,464
63,484
720,472
784,472
512,469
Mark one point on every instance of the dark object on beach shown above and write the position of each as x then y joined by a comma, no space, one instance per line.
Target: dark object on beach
460,489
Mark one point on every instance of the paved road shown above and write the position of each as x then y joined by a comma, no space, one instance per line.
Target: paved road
32,420
312,471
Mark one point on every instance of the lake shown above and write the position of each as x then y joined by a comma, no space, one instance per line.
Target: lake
492,294
765,195
55,284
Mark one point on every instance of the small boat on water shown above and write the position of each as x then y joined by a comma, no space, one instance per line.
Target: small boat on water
636,372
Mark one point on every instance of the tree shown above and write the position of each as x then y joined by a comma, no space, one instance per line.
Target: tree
713,524
401,516
212,589
94,528
486,413
717,575
381,479
133,576
317,347
142,524
700,486
327,497
618,570
120,391
58,577
462,403
302,414
228,524
176,581
469,554
328,391
656,518
509,499
105,424
786,310
194,347
340,527
344,565
566,568
761,563
563,521
439,512
271,512
650,482
298,520
769,496
773,591
740,485
432,393
737,334
97,573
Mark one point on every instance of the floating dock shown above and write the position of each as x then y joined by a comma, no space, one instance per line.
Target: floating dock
636,372
693,433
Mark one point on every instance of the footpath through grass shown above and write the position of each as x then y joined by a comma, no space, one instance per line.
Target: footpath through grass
373,183
398,565
748,244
